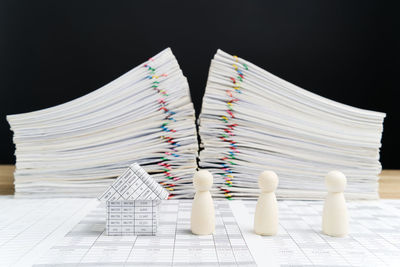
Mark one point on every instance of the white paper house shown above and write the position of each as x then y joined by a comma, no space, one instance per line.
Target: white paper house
132,202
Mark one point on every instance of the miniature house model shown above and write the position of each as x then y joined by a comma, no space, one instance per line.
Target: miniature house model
132,202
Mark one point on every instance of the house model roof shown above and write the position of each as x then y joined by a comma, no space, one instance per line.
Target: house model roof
134,184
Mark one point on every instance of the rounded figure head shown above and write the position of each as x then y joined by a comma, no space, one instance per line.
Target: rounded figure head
335,181
268,181
203,180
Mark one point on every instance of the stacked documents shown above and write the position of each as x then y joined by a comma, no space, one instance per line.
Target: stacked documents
252,121
79,147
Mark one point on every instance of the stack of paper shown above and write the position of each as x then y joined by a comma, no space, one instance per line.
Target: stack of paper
77,148
252,121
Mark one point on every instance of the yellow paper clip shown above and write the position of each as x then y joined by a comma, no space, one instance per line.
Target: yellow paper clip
236,58
236,67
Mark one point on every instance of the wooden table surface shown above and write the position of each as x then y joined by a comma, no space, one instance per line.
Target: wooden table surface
389,183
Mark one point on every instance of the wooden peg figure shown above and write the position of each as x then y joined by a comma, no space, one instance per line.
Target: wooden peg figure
266,216
335,220
202,220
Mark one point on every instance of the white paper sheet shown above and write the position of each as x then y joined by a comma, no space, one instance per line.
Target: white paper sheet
374,238
87,245
51,232
29,227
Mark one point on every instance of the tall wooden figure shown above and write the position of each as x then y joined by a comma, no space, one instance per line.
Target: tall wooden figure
202,220
335,221
266,216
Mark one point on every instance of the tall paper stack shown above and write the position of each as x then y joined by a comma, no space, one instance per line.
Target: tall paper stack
79,147
252,121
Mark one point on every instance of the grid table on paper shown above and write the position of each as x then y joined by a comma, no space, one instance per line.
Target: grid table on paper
86,243
132,217
71,232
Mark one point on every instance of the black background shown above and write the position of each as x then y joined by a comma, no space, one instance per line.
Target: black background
54,51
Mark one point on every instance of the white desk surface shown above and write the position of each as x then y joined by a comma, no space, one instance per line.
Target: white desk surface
70,232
